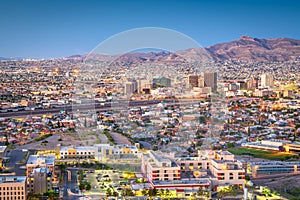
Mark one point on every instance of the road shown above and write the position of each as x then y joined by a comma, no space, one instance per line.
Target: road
82,107
72,185
15,158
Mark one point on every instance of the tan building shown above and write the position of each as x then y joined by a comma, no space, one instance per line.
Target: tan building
36,162
157,167
210,80
267,80
13,188
218,168
79,152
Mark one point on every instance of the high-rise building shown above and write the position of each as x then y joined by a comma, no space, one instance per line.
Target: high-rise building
267,80
210,80
130,87
143,84
252,83
161,82
193,81
13,187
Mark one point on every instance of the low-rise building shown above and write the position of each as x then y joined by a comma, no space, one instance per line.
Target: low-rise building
79,152
13,187
211,169
120,151
274,167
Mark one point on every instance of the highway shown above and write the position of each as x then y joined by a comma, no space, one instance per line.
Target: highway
85,107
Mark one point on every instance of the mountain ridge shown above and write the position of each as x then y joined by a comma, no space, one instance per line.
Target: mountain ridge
244,49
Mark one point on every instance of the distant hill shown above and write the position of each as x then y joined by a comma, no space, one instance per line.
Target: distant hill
250,49
244,49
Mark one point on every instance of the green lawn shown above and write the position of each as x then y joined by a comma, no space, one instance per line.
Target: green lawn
257,153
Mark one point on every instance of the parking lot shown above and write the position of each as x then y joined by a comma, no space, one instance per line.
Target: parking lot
103,181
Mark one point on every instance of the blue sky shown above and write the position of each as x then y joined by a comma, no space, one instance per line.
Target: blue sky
57,28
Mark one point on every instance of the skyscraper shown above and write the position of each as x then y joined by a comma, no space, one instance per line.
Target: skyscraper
210,80
193,81
267,80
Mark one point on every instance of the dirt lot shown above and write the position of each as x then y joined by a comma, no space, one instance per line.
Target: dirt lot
287,185
67,139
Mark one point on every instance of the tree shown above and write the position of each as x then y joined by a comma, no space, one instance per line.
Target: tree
200,191
161,192
230,145
152,192
168,193
50,194
144,192
128,192
108,192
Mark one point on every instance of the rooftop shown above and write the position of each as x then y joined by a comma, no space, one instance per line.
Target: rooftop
181,182
12,179
2,148
41,159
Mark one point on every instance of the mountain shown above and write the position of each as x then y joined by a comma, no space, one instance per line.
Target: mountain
245,49
250,49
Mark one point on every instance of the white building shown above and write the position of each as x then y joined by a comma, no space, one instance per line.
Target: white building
267,80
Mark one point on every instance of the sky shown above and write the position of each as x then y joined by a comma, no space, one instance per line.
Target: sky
59,28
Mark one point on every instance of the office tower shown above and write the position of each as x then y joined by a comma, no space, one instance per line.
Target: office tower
142,84
201,83
161,82
210,80
252,83
267,80
193,81
40,181
130,87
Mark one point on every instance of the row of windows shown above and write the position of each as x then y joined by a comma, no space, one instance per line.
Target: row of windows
192,164
11,188
12,198
119,152
80,153
11,193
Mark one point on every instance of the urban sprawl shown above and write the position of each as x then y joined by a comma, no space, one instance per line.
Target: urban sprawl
89,129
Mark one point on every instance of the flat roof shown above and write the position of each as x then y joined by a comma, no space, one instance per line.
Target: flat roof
2,148
80,148
12,179
181,182
48,160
